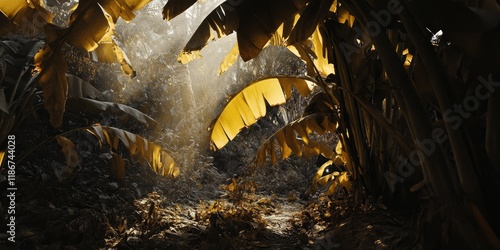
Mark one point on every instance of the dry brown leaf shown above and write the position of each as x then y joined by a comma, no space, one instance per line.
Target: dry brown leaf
117,167
53,81
69,150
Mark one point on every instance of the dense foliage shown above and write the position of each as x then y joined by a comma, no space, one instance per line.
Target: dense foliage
409,87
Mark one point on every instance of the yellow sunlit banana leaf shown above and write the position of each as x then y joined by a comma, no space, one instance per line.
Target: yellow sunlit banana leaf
316,48
249,105
109,52
319,174
91,22
53,81
158,159
294,138
229,60
343,181
88,25
13,14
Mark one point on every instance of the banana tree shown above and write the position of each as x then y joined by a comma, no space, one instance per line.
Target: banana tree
414,83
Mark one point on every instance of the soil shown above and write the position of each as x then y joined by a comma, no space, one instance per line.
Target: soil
216,210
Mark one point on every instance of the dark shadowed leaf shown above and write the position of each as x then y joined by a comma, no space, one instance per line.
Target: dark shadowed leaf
78,88
175,7
314,13
123,112
69,150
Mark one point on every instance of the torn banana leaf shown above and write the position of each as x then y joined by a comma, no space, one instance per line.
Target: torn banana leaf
249,105
158,159
175,7
320,178
294,138
253,23
108,51
317,48
343,181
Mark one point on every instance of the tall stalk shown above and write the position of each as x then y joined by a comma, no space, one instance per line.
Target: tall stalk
434,165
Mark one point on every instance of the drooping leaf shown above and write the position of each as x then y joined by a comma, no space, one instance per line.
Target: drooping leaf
93,19
314,148
319,176
109,52
320,103
53,82
122,8
79,88
254,24
257,24
88,25
117,167
342,180
249,105
123,112
3,102
15,14
69,150
175,7
334,179
223,20
294,138
317,48
159,160
314,13
90,22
